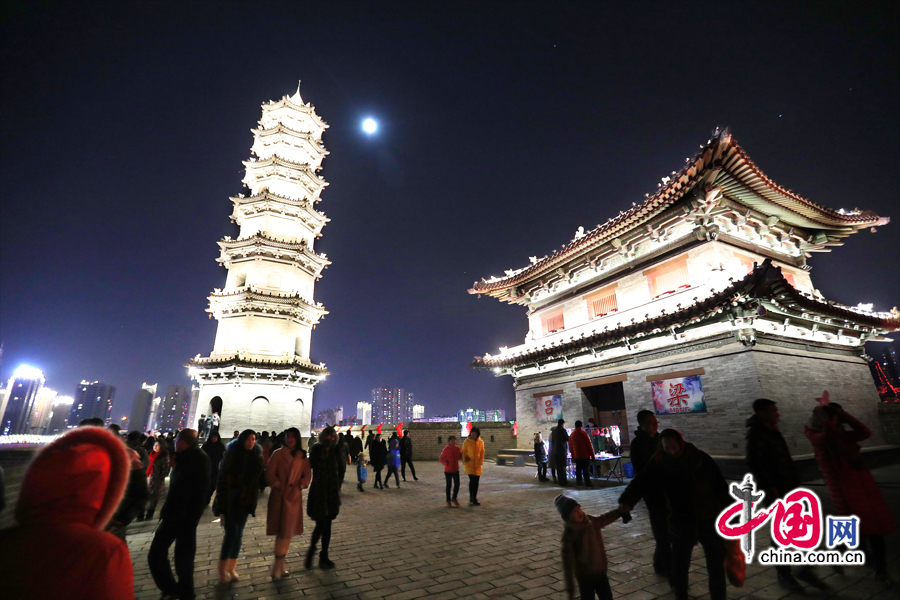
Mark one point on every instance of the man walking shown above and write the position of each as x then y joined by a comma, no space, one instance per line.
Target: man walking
696,493
406,455
643,446
559,451
775,473
188,492
582,454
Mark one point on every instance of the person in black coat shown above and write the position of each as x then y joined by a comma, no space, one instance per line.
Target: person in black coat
378,459
344,450
132,505
323,502
406,453
775,473
179,517
696,493
133,441
215,450
559,451
643,447
237,493
356,446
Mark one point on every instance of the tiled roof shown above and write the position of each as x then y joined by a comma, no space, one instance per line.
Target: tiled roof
722,151
764,282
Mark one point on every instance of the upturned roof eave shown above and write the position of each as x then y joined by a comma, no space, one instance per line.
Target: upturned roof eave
709,161
305,108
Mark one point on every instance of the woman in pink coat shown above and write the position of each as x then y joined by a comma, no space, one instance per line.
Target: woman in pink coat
288,474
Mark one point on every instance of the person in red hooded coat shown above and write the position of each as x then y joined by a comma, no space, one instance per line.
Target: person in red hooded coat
849,481
68,495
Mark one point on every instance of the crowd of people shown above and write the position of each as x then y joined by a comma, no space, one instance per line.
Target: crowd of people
87,487
685,492
84,489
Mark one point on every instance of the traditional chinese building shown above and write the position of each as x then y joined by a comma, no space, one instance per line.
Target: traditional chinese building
259,373
692,303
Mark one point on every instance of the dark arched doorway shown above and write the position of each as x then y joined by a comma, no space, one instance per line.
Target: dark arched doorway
215,406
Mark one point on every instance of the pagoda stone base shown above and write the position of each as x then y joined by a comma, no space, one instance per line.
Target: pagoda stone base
270,406
790,372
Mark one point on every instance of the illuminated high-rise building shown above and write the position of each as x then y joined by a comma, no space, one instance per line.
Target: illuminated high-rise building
363,413
43,409
471,414
59,415
173,410
155,407
391,405
142,407
418,412
20,402
93,399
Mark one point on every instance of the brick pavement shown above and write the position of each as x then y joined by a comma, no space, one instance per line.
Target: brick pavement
405,543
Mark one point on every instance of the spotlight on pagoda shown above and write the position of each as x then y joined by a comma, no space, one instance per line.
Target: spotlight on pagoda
370,126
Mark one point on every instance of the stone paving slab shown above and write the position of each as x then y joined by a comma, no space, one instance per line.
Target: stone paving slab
401,544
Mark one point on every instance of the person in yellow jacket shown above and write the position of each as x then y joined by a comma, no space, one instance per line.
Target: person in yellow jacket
473,458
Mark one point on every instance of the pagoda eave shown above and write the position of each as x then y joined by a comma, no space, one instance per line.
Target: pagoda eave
305,108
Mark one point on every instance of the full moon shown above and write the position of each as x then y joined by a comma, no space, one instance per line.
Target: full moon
370,125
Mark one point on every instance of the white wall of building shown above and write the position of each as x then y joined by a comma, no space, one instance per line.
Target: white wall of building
709,265
258,406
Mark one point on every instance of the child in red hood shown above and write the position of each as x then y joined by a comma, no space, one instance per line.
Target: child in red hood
68,495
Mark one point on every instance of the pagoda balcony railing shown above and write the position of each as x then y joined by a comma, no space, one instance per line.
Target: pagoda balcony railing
261,239
282,128
245,358
254,293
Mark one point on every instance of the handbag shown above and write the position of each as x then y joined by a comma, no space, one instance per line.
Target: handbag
735,563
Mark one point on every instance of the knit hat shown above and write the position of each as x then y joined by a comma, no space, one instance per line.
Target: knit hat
565,505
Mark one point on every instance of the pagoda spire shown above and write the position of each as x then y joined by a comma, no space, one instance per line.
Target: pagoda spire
296,99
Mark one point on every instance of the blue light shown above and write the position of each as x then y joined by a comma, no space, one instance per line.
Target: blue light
370,126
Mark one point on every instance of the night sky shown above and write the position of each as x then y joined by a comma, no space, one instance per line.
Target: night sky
503,128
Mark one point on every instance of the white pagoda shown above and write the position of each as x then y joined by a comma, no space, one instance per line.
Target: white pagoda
259,374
